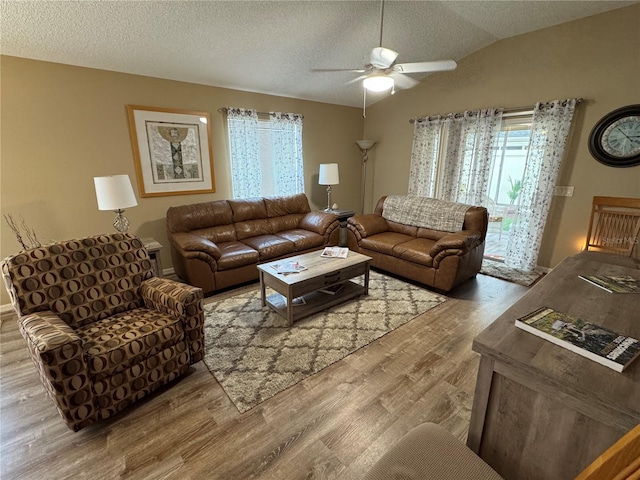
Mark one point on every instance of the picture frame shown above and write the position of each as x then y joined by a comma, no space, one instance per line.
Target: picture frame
172,151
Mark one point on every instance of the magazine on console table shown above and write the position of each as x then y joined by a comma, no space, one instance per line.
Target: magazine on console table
614,284
288,267
592,341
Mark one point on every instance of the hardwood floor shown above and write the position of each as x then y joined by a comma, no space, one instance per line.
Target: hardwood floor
332,425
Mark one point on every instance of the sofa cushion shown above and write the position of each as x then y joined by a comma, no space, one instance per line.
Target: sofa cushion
281,206
270,246
302,239
217,234
252,228
384,242
286,222
236,254
416,251
123,340
187,218
247,209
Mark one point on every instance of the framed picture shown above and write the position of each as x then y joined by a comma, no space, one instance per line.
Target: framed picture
172,151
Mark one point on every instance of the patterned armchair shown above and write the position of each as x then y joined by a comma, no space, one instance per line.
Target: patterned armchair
102,331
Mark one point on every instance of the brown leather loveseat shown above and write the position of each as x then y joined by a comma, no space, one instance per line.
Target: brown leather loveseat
218,244
437,243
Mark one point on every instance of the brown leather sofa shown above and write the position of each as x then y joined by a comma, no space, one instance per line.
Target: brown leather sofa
218,244
440,259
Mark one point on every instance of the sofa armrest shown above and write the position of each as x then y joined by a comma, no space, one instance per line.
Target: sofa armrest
180,301
367,225
56,350
319,222
188,242
463,241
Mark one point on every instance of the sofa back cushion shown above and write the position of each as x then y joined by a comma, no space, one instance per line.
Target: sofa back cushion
81,280
198,216
285,213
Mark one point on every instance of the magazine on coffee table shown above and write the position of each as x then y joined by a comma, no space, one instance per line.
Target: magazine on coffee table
614,284
592,341
288,267
335,252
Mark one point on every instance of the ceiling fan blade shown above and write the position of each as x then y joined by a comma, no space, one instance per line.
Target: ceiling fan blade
402,81
424,67
358,79
382,57
356,70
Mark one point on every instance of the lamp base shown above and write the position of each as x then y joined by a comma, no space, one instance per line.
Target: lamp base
121,223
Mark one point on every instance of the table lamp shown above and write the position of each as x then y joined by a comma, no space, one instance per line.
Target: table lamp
329,176
115,193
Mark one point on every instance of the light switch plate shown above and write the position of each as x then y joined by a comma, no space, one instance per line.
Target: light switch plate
563,191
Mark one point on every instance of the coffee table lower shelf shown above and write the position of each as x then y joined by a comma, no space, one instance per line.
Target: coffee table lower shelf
315,301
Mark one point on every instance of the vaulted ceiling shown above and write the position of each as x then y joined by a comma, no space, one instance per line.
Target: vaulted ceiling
268,46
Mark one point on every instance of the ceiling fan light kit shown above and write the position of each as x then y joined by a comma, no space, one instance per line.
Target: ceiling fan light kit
378,83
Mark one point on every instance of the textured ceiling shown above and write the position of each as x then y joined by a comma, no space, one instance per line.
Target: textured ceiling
268,46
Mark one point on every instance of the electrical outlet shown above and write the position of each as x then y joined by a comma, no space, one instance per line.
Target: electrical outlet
563,191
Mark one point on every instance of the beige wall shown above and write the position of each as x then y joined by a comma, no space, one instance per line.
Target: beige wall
597,58
63,125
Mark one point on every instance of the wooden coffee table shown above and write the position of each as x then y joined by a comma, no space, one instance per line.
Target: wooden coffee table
320,273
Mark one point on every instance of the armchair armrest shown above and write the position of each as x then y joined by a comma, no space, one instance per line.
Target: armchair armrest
180,301
56,349
319,222
367,225
463,241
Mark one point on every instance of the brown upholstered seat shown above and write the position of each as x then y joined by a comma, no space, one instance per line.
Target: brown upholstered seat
102,331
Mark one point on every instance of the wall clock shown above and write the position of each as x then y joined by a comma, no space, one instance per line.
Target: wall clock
615,139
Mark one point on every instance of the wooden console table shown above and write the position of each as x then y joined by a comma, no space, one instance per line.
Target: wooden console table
541,411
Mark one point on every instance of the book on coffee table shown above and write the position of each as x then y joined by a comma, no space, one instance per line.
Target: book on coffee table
592,341
614,284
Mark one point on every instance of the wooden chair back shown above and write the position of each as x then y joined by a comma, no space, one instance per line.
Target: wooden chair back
614,225
621,461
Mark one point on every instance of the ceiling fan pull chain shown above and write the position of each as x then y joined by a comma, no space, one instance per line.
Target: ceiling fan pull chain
364,103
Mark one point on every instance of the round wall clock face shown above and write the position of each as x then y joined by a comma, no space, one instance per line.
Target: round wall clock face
615,139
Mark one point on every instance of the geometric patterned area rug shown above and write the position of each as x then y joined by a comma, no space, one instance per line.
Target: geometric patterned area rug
500,270
254,355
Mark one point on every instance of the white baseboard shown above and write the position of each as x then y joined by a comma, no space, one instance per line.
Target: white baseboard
6,308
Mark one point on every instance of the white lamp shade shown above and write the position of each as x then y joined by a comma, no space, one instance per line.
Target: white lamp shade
329,174
114,192
365,144
378,83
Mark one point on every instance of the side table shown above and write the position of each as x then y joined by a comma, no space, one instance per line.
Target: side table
153,249
342,215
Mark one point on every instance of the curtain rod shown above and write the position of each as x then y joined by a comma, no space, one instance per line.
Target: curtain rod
225,111
512,110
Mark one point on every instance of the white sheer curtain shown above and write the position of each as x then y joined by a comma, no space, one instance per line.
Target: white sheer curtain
424,156
468,155
244,152
462,173
549,132
286,147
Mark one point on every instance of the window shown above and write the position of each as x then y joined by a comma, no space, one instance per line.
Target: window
509,160
266,153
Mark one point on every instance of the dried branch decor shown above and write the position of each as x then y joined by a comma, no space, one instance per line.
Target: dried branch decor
29,233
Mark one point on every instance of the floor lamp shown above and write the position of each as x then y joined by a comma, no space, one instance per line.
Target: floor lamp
364,146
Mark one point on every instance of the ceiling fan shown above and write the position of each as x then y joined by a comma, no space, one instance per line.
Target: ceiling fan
382,73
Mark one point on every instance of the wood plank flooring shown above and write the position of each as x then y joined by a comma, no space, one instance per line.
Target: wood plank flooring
333,425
